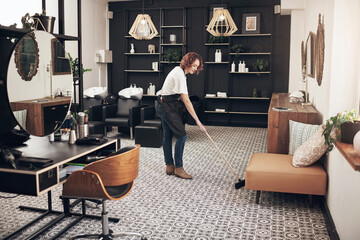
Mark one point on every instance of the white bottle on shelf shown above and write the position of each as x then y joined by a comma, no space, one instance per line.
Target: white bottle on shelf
148,90
152,89
239,66
243,66
219,55
132,50
233,67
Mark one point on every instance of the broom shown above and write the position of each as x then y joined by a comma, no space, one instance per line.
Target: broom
240,182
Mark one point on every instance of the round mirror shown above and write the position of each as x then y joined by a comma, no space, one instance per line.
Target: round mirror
40,103
27,57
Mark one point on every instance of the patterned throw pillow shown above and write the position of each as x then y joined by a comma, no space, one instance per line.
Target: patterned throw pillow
299,133
310,151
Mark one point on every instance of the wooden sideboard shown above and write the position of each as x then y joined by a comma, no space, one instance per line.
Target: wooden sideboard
278,121
43,113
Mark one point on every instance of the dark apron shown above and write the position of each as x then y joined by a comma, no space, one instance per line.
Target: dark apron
171,111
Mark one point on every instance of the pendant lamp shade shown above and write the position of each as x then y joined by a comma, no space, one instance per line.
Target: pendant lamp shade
222,24
143,28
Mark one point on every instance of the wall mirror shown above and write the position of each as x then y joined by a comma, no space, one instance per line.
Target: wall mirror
39,105
27,57
310,54
59,59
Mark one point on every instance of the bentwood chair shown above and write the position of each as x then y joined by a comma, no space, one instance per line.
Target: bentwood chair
111,178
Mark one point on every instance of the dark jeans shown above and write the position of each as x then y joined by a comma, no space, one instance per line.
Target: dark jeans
167,142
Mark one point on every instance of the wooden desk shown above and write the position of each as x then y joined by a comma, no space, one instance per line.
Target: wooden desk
278,121
42,113
37,181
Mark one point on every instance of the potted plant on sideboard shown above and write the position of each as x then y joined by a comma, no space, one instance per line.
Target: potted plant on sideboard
342,126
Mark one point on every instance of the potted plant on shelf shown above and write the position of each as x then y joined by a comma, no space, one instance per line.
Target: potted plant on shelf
237,48
38,22
261,65
342,126
74,64
172,55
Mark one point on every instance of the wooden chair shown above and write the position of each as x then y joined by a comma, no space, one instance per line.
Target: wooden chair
111,178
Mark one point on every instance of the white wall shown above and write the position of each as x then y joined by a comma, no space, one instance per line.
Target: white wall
338,92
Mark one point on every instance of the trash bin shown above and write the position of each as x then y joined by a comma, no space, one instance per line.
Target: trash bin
196,102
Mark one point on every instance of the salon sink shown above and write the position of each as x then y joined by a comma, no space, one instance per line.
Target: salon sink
100,91
134,93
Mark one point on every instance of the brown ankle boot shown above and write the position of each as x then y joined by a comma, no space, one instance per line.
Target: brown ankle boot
180,172
170,169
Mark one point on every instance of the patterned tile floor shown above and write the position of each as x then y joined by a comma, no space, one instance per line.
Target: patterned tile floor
206,208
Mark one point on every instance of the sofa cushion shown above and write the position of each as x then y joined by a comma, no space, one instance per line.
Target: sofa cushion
275,172
299,133
310,151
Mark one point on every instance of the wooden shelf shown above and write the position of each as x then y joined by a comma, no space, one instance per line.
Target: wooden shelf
142,54
217,44
216,97
250,72
250,98
249,113
216,62
172,44
168,62
142,71
347,150
176,26
128,36
216,112
252,35
262,53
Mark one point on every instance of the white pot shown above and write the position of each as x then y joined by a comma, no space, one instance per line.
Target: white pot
356,142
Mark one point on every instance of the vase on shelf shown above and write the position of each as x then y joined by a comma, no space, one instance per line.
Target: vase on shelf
132,50
356,142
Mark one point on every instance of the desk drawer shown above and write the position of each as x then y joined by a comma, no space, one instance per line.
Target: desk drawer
47,179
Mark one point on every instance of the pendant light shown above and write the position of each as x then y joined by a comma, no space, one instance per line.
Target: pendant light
222,24
143,28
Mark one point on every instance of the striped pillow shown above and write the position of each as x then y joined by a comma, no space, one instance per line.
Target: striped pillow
299,133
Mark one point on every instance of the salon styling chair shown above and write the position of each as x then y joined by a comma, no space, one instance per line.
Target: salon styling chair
149,133
111,178
125,113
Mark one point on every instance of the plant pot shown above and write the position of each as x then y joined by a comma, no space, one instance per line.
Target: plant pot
47,23
348,131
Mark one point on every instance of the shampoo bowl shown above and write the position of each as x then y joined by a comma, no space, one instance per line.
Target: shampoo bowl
100,91
133,93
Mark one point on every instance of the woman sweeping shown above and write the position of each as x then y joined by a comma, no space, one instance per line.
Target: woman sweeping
169,109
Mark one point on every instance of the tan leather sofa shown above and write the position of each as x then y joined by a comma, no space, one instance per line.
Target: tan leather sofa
275,173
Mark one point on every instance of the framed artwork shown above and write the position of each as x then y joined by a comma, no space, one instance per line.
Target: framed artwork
250,23
310,54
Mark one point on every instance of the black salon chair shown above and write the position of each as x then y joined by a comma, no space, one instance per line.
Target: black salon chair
111,178
126,113
149,133
94,109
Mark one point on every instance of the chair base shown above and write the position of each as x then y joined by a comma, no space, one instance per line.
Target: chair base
110,236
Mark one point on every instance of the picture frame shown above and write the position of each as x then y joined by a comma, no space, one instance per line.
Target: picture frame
310,54
215,7
250,23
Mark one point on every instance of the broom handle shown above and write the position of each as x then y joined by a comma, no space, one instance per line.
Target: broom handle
222,155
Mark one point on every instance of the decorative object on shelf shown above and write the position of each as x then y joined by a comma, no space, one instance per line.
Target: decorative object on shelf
218,55
310,54
214,39
155,66
356,142
74,64
251,23
132,50
333,125
233,67
220,110
143,28
261,65
254,94
38,22
151,89
151,48
221,94
237,48
221,23
172,38
172,55
242,66
320,50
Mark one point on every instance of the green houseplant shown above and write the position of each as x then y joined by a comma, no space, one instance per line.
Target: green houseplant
333,127
172,55
74,64
261,65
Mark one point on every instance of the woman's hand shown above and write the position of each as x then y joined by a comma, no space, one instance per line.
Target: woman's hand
202,128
